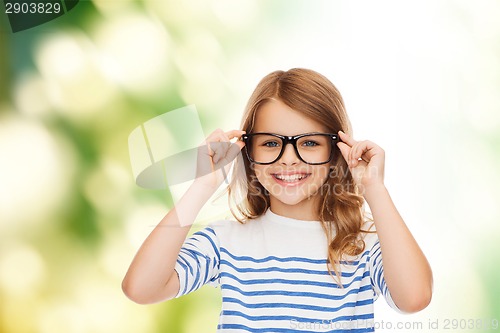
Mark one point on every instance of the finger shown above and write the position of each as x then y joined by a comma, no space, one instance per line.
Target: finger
219,136
225,137
240,144
347,139
224,164
367,150
234,134
353,159
225,145
220,150
357,152
218,143
225,150
215,134
344,150
212,137
230,155
364,151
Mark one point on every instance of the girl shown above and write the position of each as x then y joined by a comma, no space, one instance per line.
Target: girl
302,256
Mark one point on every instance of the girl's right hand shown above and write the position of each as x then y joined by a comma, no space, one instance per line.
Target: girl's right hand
215,157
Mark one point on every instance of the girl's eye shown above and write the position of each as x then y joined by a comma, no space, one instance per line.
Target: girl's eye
271,144
310,143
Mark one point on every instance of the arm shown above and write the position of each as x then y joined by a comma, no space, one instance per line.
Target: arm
407,273
151,276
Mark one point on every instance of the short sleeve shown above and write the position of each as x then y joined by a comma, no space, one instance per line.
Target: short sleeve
377,275
198,261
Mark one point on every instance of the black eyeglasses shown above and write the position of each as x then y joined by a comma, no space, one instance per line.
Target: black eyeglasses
311,148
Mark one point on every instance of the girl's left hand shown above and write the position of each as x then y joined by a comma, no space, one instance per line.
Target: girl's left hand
365,160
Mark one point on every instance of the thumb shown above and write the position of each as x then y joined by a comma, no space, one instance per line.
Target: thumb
344,149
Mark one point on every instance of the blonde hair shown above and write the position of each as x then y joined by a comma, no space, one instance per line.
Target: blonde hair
340,206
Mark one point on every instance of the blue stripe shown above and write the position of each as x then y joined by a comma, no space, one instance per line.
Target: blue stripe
376,257
215,248
211,230
296,305
203,231
375,252
193,261
191,241
295,293
296,282
185,264
207,269
379,278
193,253
288,270
195,282
198,257
365,316
287,259
186,278
354,262
286,330
385,292
188,267
269,258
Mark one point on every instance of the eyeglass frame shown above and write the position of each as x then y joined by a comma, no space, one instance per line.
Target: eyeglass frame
285,140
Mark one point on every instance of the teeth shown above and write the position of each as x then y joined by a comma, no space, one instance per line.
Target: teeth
290,178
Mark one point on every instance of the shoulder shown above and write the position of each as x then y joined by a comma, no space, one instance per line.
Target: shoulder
231,233
231,226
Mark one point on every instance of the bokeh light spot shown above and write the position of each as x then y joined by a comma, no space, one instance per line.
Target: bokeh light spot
76,85
134,51
35,172
22,269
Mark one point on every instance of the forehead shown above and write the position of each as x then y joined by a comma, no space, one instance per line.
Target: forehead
275,116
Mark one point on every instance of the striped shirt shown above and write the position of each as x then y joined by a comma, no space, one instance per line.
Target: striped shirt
273,277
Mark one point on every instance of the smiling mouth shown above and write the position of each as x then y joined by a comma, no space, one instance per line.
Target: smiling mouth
293,178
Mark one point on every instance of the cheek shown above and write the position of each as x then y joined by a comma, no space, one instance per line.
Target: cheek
261,174
321,176
321,173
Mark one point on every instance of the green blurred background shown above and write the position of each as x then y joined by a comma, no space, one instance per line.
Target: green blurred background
420,78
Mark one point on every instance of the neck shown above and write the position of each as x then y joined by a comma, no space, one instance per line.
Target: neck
305,210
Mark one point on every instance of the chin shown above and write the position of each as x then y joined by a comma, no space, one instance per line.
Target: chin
291,201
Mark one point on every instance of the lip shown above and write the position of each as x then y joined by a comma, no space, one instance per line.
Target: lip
293,183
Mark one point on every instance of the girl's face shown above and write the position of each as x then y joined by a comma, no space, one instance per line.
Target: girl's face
292,184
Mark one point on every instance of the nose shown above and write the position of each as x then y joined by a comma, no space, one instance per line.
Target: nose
289,156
